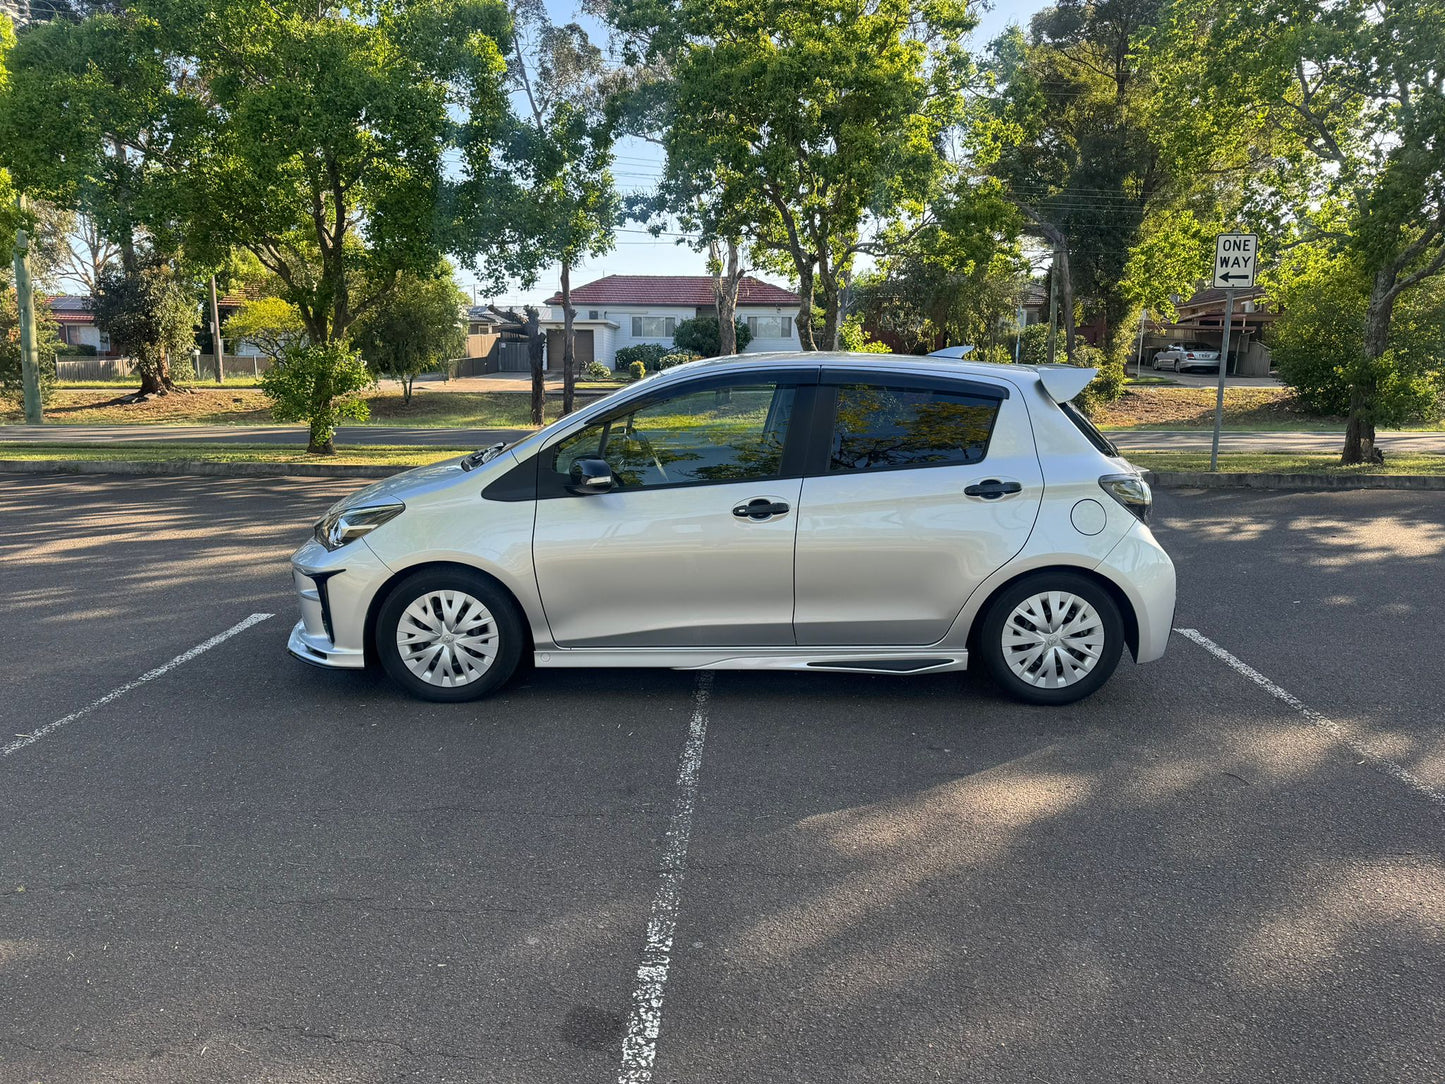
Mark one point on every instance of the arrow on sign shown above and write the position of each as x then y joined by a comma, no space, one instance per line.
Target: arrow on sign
1230,276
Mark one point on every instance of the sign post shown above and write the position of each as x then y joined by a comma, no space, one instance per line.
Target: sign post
1234,266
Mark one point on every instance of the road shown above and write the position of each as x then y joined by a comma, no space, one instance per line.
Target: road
244,869
1131,440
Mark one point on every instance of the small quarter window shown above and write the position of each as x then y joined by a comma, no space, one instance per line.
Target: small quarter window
880,427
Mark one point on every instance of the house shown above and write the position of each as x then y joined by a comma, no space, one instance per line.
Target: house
77,323
1201,319
626,310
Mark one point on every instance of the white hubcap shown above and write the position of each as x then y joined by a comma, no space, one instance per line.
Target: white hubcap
1053,639
447,638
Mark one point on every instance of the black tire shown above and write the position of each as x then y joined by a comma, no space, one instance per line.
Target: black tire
990,639
506,620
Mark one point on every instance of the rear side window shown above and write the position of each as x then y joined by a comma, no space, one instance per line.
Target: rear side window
879,427
1086,427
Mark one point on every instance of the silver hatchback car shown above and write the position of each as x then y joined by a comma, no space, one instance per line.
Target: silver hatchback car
890,515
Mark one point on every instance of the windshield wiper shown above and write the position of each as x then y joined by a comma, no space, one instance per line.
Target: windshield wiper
482,455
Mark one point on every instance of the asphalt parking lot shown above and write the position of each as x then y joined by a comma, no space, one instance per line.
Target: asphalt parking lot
244,869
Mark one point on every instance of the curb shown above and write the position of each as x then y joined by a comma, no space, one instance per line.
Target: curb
192,467
1223,480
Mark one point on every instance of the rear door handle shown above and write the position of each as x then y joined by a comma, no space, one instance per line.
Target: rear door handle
991,489
760,508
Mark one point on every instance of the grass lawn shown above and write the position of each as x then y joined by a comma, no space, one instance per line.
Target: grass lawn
382,455
248,406
1275,463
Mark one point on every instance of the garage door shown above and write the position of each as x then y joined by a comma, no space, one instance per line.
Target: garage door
581,350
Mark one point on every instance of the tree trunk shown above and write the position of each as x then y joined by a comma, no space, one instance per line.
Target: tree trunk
1360,428
1066,296
831,310
805,308
535,343
725,292
569,377
407,379
321,440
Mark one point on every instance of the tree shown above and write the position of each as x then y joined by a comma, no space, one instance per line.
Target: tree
271,324
150,314
800,124
85,253
47,346
562,157
1350,93
702,335
415,329
318,384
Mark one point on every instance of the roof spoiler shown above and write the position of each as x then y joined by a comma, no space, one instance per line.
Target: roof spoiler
1063,382
956,353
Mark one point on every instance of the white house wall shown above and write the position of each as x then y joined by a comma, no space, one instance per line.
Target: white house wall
607,342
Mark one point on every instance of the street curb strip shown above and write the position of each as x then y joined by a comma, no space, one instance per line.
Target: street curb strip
1160,479
1224,480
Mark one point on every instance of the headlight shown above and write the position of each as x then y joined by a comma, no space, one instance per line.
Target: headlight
1131,491
336,529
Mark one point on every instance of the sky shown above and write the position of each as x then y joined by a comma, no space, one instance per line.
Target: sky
636,167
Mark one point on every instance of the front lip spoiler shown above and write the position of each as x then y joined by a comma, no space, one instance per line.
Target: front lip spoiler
321,652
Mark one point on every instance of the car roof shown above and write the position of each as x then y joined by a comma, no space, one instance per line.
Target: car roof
911,363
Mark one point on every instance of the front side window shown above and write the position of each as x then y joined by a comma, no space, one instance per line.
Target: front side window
654,327
880,427
771,327
728,434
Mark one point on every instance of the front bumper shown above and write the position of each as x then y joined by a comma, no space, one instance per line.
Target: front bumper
334,589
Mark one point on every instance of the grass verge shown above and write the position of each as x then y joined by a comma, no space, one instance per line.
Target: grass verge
1277,463
360,455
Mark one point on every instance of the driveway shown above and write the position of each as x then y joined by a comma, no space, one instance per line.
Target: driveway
219,865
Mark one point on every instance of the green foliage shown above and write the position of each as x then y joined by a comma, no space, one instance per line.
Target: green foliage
415,329
637,370
649,354
702,336
272,323
47,345
150,314
852,337
318,384
1107,386
595,370
680,357
76,350
1034,348
1319,348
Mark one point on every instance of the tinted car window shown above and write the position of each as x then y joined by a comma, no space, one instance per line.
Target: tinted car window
730,434
878,427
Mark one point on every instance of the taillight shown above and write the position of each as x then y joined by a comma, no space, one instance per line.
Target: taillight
1131,491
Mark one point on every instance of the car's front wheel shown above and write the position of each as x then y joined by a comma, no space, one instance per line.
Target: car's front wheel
448,635
1052,638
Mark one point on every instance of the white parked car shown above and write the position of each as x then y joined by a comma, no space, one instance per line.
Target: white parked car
895,515
1181,356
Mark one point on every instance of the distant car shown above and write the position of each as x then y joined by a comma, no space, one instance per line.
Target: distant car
1181,356
810,512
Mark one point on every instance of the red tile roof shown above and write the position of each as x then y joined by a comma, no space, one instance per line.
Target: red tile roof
684,290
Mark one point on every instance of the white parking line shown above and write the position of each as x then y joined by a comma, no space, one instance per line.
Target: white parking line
639,1048
1329,726
22,740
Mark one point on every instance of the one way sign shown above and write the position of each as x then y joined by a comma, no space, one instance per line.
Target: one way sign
1234,260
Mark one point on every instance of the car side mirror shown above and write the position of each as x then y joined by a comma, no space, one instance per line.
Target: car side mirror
590,476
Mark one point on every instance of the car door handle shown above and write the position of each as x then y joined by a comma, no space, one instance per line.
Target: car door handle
991,489
760,508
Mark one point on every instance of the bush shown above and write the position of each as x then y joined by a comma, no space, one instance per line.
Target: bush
318,385
638,370
76,350
1034,348
647,353
1107,386
47,340
702,336
854,338
681,357
595,370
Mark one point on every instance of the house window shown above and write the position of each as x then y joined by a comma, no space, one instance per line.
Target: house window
771,327
653,327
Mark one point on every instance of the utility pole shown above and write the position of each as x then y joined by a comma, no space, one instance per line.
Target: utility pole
1139,361
25,300
216,342
1053,309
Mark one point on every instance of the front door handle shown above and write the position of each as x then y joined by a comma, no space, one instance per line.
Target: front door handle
991,489
760,508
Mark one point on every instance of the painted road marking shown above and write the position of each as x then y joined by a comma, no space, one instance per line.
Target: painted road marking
639,1048
1329,726
186,656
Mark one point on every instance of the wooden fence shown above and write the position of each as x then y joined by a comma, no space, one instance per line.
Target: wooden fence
114,368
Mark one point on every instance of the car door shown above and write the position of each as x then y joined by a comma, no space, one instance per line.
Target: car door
693,544
919,490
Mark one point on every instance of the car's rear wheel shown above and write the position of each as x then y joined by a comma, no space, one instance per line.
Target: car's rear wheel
1052,638
449,635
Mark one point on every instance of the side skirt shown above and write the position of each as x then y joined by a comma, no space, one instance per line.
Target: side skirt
851,660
